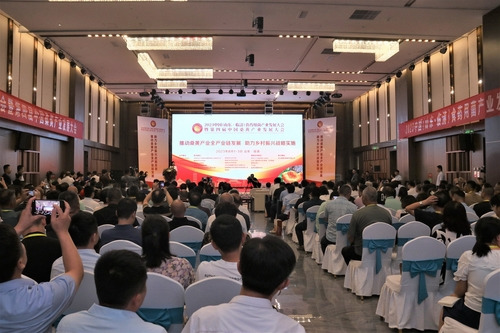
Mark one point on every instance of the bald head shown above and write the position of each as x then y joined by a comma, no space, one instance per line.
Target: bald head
178,208
226,197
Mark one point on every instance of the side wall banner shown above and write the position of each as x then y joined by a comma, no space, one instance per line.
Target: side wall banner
152,141
320,148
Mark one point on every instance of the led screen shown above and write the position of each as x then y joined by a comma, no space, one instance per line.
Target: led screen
230,147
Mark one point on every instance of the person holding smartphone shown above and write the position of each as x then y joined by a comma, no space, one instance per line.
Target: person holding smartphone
33,307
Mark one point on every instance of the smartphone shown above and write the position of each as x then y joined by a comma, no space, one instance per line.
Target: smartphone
45,207
162,184
31,193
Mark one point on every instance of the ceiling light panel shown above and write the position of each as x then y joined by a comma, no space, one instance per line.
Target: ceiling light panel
383,50
173,84
311,86
185,73
168,43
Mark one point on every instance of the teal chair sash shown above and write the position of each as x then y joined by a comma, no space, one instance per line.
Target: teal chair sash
421,268
343,227
196,246
403,241
162,317
491,306
452,264
323,220
397,225
301,210
311,216
204,257
377,246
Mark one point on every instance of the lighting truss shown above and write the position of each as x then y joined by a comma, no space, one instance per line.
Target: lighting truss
173,84
310,86
168,43
383,50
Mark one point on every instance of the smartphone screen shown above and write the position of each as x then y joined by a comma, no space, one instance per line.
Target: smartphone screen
44,207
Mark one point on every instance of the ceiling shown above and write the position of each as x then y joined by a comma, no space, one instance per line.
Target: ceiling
277,60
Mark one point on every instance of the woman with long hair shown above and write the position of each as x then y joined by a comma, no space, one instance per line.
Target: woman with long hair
455,223
473,266
156,251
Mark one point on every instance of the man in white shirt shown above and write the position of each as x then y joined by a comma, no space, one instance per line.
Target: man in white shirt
440,175
88,200
265,265
120,280
397,177
227,238
83,232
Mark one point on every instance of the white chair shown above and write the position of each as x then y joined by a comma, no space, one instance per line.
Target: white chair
168,219
210,291
85,296
209,253
472,217
409,300
436,228
183,251
453,253
366,277
164,303
473,228
392,210
139,219
488,322
188,235
333,261
492,213
405,219
292,219
194,219
103,227
406,233
317,253
309,233
121,244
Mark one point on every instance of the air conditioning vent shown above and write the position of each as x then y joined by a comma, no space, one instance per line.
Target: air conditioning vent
364,14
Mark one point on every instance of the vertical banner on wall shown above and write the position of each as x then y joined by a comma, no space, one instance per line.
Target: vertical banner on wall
320,147
152,141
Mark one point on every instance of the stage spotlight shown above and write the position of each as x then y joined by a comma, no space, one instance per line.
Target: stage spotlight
153,91
268,92
443,49
321,93
92,77
250,59
388,79
295,92
411,67
244,82
242,93
72,63
167,91
193,91
281,92
207,91
258,23
427,58
47,44
308,93
231,91
100,83
399,74
378,85
61,55
221,92
337,95
83,71
254,92
180,92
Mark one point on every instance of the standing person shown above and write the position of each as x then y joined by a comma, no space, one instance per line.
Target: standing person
6,174
19,175
265,265
333,210
26,306
440,175
355,177
120,281
362,218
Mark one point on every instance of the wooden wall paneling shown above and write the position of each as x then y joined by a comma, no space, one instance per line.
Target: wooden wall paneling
364,120
116,122
392,119
460,68
25,85
418,85
473,63
372,115
93,109
46,71
39,76
88,112
102,114
109,119
437,81
382,115
16,51
63,87
356,121
3,52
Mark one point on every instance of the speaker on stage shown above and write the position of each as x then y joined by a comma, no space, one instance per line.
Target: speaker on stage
466,142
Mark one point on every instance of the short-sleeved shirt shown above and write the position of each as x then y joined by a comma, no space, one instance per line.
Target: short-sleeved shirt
220,267
106,320
26,306
474,269
335,209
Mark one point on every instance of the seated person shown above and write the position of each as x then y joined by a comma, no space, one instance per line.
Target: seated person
455,223
265,265
83,232
194,209
33,307
178,216
120,280
107,214
156,252
161,200
227,238
226,207
125,212
7,205
473,266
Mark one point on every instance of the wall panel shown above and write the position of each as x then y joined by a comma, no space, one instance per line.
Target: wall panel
93,109
473,63
116,123
438,80
372,114
356,121
3,52
364,120
419,85
460,69
392,111
102,114
16,50
109,119
382,115
25,91
63,87
46,72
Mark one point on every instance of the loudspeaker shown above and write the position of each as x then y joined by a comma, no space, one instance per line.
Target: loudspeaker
330,109
466,142
207,108
144,109
268,108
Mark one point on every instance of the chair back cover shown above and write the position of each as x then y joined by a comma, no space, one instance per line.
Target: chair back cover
378,241
103,227
210,291
311,219
209,253
194,219
472,217
85,296
490,312
121,244
188,235
183,251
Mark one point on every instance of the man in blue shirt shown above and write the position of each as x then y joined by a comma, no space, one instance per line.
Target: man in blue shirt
26,306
